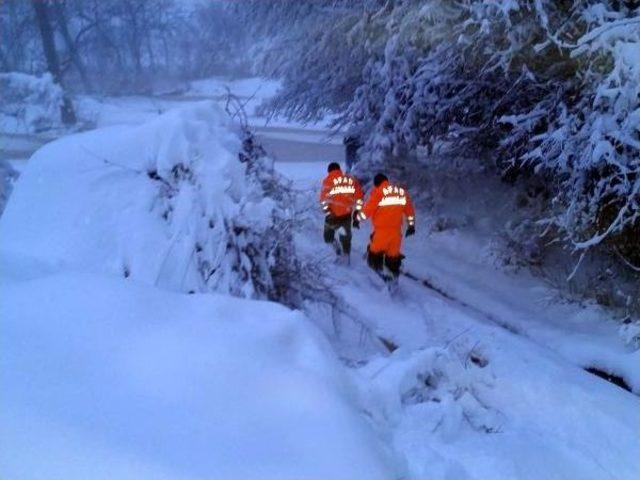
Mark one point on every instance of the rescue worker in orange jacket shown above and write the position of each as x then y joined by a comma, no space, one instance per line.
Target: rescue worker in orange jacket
387,206
340,196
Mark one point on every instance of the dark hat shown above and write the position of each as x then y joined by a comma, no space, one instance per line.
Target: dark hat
379,178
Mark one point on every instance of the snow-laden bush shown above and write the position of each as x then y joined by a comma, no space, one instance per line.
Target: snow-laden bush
630,334
590,136
7,176
29,104
449,378
182,202
502,81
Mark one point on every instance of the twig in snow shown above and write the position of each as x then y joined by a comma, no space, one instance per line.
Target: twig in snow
575,269
450,341
109,162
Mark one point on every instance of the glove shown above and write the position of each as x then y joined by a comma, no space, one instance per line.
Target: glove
411,230
356,220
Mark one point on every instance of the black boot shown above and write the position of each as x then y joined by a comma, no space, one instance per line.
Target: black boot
375,261
345,242
393,265
329,232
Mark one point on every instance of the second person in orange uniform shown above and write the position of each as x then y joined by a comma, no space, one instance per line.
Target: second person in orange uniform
340,196
387,206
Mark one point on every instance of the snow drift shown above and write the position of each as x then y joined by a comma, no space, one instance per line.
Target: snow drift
178,202
104,378
109,370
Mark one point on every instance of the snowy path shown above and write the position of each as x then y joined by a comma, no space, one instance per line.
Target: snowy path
584,335
486,379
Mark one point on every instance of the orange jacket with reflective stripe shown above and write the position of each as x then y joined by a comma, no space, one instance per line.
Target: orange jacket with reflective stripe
341,193
387,205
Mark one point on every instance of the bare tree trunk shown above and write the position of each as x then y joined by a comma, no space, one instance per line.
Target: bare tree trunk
61,20
41,9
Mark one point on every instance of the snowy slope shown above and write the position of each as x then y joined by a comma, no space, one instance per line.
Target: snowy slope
110,369
585,335
104,378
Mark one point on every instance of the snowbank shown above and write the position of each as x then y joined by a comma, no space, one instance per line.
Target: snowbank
105,378
29,104
167,203
109,370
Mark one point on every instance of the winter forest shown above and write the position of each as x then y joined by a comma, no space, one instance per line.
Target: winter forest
320,239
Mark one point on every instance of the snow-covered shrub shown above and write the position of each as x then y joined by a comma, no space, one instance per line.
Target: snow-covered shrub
450,383
29,104
180,202
7,176
590,137
630,333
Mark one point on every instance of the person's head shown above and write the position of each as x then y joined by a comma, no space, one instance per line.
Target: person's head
379,179
333,166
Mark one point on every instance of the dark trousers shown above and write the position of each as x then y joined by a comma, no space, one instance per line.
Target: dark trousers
333,223
378,260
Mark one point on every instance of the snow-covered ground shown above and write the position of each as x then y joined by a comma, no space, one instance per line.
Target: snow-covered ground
487,380
105,378
469,372
113,365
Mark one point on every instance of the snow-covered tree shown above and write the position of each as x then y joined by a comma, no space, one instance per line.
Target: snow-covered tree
296,41
30,104
531,87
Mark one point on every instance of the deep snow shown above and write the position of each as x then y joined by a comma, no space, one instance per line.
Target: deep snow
487,380
108,372
106,378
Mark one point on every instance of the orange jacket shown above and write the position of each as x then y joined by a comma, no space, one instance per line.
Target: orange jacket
340,194
387,205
